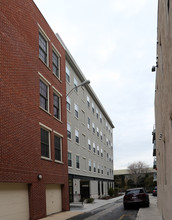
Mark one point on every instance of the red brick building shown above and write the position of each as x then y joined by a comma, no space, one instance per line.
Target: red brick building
33,137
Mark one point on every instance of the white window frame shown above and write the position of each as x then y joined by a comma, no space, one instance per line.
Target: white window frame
46,38
59,60
76,111
48,84
49,130
69,129
68,103
68,74
76,136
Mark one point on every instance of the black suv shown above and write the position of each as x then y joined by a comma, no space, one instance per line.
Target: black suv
136,197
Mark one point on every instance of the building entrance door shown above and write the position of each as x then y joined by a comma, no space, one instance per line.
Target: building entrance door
85,189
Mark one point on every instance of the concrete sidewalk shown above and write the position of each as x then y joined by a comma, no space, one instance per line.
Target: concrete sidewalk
151,213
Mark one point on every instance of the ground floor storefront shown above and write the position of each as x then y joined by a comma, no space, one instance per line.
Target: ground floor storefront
82,187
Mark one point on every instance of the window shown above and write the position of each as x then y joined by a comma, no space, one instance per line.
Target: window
88,101
56,106
44,90
88,123
102,170
101,136
76,136
107,141
45,143
76,110
93,108
100,118
89,144
76,84
58,148
68,131
98,150
67,74
43,48
55,59
89,165
93,125
69,159
68,103
101,153
94,166
94,148
97,113
77,162
98,169
97,132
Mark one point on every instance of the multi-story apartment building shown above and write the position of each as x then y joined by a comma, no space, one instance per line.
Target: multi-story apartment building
90,138
33,140
163,108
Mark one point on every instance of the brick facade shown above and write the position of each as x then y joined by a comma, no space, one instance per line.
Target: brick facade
20,112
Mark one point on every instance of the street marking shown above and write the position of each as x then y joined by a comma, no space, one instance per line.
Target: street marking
123,217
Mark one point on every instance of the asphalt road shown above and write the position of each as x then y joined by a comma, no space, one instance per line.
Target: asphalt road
112,211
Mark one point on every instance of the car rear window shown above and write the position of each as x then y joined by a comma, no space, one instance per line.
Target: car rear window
134,192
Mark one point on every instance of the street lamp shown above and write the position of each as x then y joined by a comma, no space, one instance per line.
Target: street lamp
86,82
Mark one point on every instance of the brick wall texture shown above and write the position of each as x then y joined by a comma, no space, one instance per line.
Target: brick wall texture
20,112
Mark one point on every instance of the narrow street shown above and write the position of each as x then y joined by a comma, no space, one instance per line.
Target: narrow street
112,211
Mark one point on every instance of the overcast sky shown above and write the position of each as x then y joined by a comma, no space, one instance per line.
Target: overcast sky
114,44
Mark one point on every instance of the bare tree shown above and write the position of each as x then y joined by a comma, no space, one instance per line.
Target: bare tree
137,169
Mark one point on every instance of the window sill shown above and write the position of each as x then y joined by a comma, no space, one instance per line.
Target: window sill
44,110
57,77
70,167
58,161
46,158
58,120
45,64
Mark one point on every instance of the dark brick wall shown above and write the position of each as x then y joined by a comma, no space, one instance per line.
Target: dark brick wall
20,114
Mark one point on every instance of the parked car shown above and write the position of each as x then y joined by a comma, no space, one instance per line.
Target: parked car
136,197
154,192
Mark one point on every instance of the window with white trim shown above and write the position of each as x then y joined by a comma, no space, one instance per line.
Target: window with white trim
101,153
44,95
94,148
89,144
45,143
57,106
68,103
97,113
98,168
100,118
101,135
98,150
97,132
77,136
77,162
88,125
58,147
93,125
88,101
76,110
43,48
68,130
56,64
69,159
93,108
67,74
94,166
76,84
89,165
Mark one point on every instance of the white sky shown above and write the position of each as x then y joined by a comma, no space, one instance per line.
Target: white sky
114,44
